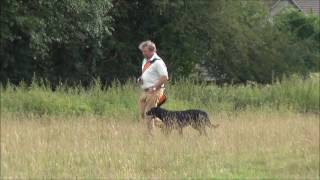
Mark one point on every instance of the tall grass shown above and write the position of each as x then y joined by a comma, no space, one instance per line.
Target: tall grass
93,133
293,94
251,145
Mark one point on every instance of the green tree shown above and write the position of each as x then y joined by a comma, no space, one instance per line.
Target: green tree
304,31
238,42
159,21
52,39
76,41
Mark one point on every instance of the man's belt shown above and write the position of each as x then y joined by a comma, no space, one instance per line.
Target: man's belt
150,89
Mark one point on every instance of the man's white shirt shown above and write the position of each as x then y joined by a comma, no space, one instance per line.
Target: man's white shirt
152,75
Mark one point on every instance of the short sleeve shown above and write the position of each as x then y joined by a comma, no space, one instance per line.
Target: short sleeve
161,68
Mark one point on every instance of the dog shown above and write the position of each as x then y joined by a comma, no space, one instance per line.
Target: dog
179,119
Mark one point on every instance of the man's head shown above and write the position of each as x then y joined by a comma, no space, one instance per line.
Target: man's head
148,48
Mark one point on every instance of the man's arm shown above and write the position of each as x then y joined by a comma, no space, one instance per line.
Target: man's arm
163,73
162,80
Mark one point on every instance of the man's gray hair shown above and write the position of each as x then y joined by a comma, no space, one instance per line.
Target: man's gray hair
149,44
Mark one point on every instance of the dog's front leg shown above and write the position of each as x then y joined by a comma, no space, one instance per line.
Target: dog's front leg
202,131
150,126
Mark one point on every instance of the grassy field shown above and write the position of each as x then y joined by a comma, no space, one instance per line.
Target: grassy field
265,132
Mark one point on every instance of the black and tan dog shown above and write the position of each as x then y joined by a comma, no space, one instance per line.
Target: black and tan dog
179,119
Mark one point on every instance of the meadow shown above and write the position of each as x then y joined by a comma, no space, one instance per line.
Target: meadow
266,131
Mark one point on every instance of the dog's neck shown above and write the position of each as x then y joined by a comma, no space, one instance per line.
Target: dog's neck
162,110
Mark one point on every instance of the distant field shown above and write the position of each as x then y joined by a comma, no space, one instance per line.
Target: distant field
265,132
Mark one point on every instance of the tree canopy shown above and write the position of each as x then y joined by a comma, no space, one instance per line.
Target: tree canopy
78,41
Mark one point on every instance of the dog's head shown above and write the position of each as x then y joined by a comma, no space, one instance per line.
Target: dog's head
154,112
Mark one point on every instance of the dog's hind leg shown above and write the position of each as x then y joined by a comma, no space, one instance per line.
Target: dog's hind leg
180,131
166,130
202,130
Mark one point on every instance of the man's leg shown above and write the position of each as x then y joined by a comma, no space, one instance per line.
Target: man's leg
151,102
142,105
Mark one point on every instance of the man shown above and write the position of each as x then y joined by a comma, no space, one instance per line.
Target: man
154,76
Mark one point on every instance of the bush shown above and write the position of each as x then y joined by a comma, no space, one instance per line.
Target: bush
294,94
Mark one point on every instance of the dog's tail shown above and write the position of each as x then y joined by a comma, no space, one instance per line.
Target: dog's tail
209,124
212,125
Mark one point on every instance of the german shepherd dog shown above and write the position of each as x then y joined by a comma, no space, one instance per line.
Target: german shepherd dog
179,119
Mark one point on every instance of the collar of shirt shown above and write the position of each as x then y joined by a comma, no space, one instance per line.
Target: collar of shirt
155,56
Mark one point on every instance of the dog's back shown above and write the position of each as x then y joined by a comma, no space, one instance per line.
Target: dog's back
196,118
200,117
188,117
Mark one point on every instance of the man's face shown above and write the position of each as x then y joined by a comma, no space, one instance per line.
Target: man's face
147,53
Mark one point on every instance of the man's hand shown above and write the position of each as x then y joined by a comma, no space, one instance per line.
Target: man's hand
162,80
140,81
153,89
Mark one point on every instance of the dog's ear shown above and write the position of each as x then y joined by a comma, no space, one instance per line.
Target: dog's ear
152,111
149,112
158,110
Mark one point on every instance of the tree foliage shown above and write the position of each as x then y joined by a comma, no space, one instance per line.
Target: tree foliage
77,41
53,39
304,34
